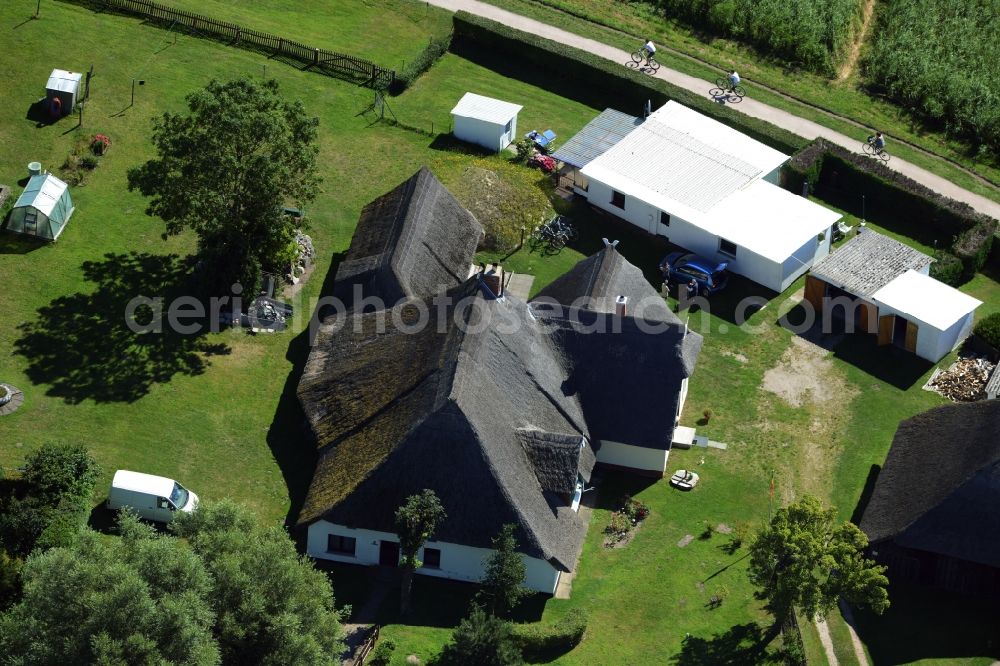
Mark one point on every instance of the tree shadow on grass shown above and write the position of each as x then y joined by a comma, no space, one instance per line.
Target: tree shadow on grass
740,645
81,346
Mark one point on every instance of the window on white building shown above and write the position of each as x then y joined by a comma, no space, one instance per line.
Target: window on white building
727,247
617,199
432,558
341,545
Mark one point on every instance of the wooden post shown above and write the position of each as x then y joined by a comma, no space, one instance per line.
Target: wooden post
238,35
38,8
315,56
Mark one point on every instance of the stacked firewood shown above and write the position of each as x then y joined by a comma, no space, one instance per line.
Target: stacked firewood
965,380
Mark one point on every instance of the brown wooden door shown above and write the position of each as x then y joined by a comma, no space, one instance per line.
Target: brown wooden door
815,288
910,344
388,554
867,316
885,325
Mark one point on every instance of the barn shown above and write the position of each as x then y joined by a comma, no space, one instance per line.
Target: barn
878,285
484,121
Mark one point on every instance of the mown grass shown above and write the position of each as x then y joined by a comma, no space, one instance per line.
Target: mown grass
387,32
799,92
814,652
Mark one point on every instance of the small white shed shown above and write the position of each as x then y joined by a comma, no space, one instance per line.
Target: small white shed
484,121
926,316
64,86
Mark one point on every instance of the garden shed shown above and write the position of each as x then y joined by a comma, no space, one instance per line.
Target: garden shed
64,86
43,209
484,121
882,286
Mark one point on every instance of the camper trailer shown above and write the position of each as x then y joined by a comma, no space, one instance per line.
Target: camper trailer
154,498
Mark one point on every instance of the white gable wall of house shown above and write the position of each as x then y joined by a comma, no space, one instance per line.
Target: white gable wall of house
457,562
638,458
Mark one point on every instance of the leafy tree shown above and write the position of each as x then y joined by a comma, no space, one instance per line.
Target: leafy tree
53,471
805,559
481,639
139,599
416,521
272,605
225,169
505,572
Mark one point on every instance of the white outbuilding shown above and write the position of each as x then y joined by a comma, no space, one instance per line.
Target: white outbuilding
712,190
926,316
65,87
484,121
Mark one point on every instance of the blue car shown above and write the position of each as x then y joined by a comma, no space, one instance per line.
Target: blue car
682,267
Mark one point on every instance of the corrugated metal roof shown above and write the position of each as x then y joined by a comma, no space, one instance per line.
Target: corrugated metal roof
43,192
921,297
488,109
64,81
868,262
683,162
596,137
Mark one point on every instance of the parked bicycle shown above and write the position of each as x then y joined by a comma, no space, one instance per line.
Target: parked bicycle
724,89
640,62
871,149
555,234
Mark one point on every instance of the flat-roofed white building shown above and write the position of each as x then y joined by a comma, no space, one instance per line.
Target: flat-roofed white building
712,190
484,121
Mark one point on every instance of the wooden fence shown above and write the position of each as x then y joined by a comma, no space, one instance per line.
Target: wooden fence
338,65
366,649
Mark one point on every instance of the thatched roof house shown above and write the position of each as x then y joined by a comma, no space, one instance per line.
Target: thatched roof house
932,514
409,243
501,407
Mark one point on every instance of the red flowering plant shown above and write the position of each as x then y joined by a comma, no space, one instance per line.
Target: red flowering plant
100,144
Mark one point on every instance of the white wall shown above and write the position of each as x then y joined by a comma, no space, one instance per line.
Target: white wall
458,562
953,337
482,133
932,344
634,457
802,260
681,399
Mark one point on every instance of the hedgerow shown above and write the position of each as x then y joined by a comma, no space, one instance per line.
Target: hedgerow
988,328
592,79
435,48
938,58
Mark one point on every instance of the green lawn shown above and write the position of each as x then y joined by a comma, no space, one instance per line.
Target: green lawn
841,105
388,32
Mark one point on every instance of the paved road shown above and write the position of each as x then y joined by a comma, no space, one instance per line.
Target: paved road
793,123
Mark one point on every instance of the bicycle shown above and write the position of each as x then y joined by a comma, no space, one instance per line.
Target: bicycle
725,89
554,234
641,62
871,149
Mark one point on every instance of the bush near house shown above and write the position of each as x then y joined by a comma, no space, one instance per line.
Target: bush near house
988,328
965,233
596,81
436,47
541,642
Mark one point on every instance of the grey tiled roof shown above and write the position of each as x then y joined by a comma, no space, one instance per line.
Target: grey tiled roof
596,137
868,262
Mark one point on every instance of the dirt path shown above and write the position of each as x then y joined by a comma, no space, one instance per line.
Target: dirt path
801,126
824,637
859,648
851,61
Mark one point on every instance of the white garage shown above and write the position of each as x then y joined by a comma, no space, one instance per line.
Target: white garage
484,121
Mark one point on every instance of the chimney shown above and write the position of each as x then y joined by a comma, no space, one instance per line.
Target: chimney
621,306
493,280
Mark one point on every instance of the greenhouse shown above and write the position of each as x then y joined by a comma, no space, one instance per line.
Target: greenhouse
43,209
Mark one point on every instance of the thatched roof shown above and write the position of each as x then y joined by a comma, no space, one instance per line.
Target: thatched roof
413,241
940,486
597,281
397,412
558,458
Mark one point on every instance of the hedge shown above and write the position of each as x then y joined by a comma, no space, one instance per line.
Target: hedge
541,642
592,79
434,50
834,171
947,268
988,328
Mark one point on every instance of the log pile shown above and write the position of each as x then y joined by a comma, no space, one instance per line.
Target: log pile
965,380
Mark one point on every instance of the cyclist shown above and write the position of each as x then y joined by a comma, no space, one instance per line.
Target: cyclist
734,80
649,48
879,142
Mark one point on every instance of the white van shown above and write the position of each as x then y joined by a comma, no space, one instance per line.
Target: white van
152,497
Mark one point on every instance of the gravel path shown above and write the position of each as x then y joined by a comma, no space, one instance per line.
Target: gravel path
751,107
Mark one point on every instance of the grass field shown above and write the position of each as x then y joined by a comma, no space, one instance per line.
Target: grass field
219,412
387,32
805,94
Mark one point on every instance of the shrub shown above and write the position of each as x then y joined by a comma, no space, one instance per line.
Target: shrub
634,510
382,654
618,527
435,48
88,162
542,642
65,523
988,328
524,148
53,471
481,639
100,144
592,79
947,268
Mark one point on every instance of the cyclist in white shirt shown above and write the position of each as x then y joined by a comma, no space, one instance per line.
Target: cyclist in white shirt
650,49
734,79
